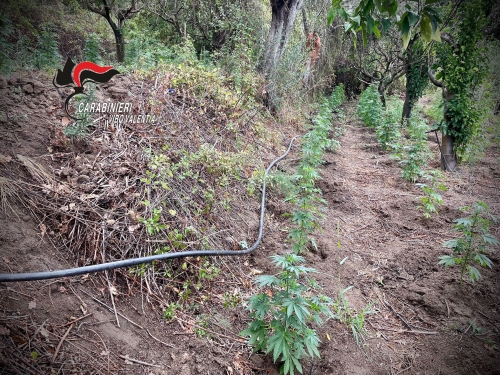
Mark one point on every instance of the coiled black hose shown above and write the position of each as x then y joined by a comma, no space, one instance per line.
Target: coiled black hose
135,261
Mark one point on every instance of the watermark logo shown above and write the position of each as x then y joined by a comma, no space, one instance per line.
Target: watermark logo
77,75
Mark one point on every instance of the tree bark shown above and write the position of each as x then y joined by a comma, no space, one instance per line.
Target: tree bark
120,46
407,106
284,13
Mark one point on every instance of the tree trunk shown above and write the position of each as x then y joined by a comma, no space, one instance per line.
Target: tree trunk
381,92
283,17
120,46
449,158
407,106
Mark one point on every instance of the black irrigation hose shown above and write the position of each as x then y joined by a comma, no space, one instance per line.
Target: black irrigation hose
136,261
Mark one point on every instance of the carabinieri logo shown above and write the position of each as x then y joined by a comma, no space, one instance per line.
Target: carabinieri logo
77,75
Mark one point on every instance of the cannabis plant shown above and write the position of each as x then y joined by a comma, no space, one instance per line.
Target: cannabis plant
431,199
282,313
472,247
370,107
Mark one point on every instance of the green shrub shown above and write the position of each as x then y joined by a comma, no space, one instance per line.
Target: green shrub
472,247
281,315
413,151
92,48
47,54
370,107
388,131
432,199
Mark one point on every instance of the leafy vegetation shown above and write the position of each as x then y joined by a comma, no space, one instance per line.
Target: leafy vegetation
413,152
472,247
282,314
370,107
432,199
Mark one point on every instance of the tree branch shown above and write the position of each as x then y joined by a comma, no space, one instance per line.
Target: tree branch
433,79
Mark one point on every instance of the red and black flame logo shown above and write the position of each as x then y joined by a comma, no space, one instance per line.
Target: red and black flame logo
77,75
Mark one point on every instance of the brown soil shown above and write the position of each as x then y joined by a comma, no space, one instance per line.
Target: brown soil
423,322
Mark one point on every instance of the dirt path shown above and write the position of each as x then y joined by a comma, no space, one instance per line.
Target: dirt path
392,254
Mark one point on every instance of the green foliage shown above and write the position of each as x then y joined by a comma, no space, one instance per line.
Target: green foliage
388,131
435,109
153,224
6,48
413,152
432,199
346,315
169,312
80,129
281,316
417,79
92,48
370,107
46,55
463,65
472,247
375,17
304,194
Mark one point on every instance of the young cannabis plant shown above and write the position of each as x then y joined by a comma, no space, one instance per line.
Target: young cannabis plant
472,247
432,199
347,316
370,107
282,313
413,152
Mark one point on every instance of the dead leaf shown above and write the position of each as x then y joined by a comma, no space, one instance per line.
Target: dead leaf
43,229
132,228
44,333
5,159
32,305
65,121
63,289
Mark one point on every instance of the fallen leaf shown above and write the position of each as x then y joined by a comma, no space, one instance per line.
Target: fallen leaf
65,121
132,228
5,159
43,229
44,333
32,305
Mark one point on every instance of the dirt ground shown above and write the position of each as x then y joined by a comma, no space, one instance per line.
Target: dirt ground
424,322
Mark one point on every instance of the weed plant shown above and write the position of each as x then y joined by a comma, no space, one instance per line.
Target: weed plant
305,196
472,247
92,48
413,152
283,311
388,131
370,108
432,199
80,128
346,315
